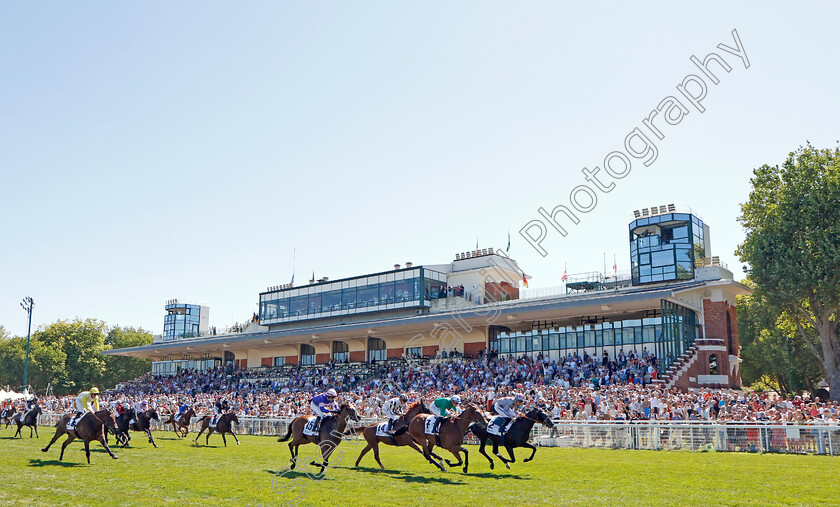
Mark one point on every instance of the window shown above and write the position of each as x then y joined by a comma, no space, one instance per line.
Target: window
376,349
307,354
340,352
664,258
713,365
279,361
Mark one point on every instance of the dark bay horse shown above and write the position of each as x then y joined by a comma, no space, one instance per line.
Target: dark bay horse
223,425
28,419
7,416
330,435
90,427
402,439
181,427
517,436
452,432
142,422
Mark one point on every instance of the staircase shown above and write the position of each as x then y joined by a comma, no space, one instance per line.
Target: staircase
677,369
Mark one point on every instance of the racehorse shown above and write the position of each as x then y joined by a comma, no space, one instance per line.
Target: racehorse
7,416
404,438
142,422
223,425
517,436
90,427
330,434
452,432
182,425
28,419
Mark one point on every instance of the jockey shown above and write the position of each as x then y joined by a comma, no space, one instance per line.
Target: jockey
120,411
31,404
219,408
7,405
393,409
86,401
442,407
139,407
181,411
323,405
506,408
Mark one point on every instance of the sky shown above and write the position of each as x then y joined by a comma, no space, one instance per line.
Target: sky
206,150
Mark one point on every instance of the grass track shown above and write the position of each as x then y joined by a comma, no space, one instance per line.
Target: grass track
253,474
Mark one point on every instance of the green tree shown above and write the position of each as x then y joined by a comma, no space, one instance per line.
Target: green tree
121,368
773,352
82,343
792,221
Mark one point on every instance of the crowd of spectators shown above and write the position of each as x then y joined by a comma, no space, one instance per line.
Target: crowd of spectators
579,388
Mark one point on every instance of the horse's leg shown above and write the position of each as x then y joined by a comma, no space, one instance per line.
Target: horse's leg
207,437
87,450
376,454
484,453
175,429
30,432
58,433
224,440
18,432
199,434
367,448
496,453
466,458
151,440
70,438
533,451
439,462
292,453
234,436
457,454
36,432
105,445
510,453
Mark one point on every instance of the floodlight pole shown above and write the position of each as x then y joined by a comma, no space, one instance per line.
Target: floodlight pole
27,305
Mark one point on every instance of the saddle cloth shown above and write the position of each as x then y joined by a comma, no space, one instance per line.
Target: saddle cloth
430,424
311,428
382,430
177,417
494,429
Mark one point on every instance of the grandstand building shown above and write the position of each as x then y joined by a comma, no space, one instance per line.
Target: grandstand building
677,303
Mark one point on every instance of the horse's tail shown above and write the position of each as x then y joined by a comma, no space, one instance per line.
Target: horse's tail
288,434
203,418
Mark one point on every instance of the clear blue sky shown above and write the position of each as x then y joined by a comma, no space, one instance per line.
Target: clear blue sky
160,150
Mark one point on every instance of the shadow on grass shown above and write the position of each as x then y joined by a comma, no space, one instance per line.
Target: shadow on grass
293,474
53,462
407,476
491,475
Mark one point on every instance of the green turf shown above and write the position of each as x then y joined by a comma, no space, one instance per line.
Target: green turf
252,474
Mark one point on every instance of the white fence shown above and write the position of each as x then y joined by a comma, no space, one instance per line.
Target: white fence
641,435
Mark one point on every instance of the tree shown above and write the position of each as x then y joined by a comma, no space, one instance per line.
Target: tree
121,368
773,352
792,221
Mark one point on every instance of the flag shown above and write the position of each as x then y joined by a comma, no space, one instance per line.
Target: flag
524,280
614,270
293,279
507,250
563,279
476,242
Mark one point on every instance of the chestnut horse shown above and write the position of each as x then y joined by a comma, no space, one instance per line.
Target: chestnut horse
181,427
331,432
402,439
90,427
452,432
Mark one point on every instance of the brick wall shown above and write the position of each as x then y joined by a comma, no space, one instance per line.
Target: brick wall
357,356
322,358
293,360
494,290
472,349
